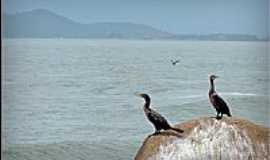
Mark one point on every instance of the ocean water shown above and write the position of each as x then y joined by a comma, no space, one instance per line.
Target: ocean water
74,98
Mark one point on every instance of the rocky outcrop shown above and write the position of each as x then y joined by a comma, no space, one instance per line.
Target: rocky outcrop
207,139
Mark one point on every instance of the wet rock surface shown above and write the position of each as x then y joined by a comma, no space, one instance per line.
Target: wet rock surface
208,138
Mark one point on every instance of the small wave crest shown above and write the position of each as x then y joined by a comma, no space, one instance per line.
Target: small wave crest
202,96
238,94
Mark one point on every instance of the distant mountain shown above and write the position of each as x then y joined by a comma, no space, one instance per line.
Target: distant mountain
41,23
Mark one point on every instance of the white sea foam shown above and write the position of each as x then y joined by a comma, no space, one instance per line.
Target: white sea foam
238,94
202,96
210,142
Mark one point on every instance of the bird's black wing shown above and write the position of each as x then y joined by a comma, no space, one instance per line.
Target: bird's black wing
158,119
222,105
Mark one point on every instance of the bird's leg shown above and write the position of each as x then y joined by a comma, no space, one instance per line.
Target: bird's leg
218,117
157,132
221,116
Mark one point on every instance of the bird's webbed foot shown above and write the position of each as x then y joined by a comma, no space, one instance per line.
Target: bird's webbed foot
154,134
218,117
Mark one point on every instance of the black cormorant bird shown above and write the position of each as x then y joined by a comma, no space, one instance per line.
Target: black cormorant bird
175,62
155,118
219,104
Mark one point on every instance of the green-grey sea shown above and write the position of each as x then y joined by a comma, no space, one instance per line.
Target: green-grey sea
74,98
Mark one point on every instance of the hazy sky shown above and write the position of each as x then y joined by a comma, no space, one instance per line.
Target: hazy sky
176,16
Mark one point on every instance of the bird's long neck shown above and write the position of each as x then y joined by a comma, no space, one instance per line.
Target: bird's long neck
147,104
212,86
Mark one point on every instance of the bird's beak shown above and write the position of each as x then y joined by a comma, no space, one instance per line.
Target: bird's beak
138,94
216,76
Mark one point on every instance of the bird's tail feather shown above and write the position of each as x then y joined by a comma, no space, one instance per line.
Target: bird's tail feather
177,130
228,113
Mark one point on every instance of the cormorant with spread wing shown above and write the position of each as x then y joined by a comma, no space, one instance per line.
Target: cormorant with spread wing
155,118
219,104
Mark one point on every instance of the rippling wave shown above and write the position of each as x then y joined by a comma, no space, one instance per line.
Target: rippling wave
66,151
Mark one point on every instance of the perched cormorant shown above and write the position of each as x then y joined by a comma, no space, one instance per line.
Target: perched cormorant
219,104
175,62
155,118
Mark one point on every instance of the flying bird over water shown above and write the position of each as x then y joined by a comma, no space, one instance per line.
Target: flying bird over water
219,104
155,118
175,62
